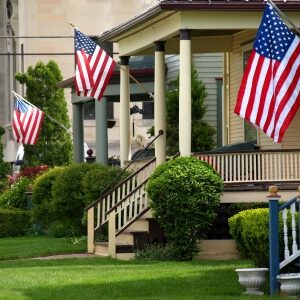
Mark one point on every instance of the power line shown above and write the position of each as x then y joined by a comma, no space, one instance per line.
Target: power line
21,54
37,37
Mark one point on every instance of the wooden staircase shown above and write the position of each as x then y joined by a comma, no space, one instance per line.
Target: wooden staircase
144,230
125,211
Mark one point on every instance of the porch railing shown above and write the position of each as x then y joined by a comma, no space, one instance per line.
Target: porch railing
289,231
256,166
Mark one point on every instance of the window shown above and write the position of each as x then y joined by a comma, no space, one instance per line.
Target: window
148,110
89,110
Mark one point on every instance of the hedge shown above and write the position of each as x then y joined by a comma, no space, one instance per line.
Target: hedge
13,222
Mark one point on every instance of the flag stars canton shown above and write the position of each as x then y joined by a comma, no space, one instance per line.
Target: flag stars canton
84,42
273,38
21,106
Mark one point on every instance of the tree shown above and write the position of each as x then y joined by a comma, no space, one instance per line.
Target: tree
202,132
54,146
4,166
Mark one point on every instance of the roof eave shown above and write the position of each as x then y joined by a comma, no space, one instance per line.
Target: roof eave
112,34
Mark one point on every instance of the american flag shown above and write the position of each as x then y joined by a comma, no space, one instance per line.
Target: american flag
93,67
269,92
27,122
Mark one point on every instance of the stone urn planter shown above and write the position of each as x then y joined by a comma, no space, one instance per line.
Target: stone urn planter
252,279
289,284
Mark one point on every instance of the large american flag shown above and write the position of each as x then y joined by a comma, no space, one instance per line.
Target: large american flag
269,91
27,122
93,67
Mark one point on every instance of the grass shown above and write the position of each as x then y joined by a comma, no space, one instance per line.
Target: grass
24,247
105,278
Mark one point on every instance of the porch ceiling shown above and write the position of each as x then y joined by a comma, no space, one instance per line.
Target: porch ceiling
212,25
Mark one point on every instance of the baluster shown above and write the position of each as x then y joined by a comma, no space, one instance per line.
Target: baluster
103,212
119,194
136,202
234,165
243,168
261,169
294,231
119,214
113,198
222,164
226,169
247,166
285,234
98,216
131,203
250,166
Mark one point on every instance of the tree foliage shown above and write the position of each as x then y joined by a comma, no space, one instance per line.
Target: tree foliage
54,146
202,132
184,194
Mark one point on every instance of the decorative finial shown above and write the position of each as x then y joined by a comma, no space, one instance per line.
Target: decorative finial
273,189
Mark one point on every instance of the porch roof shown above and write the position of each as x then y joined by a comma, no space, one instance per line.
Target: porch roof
212,24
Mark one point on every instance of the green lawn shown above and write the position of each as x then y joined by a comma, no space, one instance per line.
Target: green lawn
23,247
105,278
100,278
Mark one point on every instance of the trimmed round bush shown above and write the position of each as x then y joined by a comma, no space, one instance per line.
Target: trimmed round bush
184,193
13,222
250,230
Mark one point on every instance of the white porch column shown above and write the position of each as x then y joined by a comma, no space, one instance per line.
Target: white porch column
124,111
160,102
185,95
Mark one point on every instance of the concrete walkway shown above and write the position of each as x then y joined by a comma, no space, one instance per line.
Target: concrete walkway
63,256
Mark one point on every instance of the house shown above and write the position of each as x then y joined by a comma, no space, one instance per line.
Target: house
184,28
38,30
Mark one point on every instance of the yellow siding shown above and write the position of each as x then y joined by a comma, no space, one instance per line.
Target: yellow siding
291,138
236,131
236,73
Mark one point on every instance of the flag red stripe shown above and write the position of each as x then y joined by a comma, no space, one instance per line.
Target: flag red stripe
263,96
254,84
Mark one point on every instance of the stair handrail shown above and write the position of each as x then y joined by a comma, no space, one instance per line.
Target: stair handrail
121,183
136,188
104,194
143,183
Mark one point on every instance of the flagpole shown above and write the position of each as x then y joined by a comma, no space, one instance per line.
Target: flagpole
133,78
137,82
55,121
283,15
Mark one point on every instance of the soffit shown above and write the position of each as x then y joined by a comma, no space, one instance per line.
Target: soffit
136,37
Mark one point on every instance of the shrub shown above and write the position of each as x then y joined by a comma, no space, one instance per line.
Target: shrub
15,197
4,166
13,222
184,194
68,197
42,196
98,180
75,187
250,230
155,253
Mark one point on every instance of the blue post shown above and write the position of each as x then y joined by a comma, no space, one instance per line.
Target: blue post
273,198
